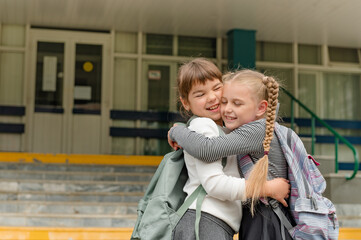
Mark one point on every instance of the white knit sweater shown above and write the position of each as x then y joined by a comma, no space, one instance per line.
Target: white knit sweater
225,189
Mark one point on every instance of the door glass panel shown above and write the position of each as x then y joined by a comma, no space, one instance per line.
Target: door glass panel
87,84
341,97
285,77
158,88
307,93
49,76
158,100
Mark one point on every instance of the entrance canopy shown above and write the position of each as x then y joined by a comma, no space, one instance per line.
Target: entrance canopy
331,22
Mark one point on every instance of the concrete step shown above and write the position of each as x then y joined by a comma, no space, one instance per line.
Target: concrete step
76,167
349,215
327,163
75,208
51,196
21,185
48,167
67,220
71,195
342,191
76,176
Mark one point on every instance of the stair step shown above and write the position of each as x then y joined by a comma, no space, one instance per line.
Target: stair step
35,207
67,220
349,215
71,186
66,233
76,167
71,196
327,163
342,191
76,176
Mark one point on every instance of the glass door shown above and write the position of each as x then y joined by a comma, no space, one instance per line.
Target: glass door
67,95
87,107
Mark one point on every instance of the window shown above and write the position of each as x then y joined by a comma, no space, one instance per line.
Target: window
285,78
307,93
309,54
159,44
13,35
125,42
347,55
341,98
49,90
197,47
274,52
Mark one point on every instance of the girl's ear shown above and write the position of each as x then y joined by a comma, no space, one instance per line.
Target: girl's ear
185,103
262,108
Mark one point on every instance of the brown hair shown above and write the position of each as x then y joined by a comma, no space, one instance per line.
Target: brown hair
198,70
264,88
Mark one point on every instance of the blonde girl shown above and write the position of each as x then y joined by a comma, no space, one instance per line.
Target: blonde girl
200,89
248,107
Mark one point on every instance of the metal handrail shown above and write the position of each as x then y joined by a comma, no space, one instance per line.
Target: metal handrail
337,136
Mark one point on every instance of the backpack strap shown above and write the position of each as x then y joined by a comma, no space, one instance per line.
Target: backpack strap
188,202
275,204
198,194
281,216
201,195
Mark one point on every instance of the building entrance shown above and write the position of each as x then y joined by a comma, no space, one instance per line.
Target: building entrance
68,105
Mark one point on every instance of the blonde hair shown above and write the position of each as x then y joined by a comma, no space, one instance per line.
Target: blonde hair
198,70
264,88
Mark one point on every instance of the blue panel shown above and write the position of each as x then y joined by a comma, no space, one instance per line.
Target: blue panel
86,111
49,110
138,132
345,124
12,110
146,116
347,166
12,128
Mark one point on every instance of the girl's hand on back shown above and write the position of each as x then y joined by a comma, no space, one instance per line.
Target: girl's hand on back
279,189
171,143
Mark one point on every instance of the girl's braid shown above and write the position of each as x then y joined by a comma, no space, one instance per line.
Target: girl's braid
258,175
272,92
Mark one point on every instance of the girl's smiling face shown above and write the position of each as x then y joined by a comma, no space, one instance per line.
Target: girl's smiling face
239,105
204,100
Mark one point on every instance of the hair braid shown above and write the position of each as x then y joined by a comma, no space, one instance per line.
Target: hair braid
272,92
258,175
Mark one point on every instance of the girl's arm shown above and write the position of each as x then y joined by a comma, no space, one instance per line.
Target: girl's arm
229,187
243,140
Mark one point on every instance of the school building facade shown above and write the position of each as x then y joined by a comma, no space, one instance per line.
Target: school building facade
99,77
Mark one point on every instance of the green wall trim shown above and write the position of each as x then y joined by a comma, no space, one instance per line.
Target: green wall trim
241,49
